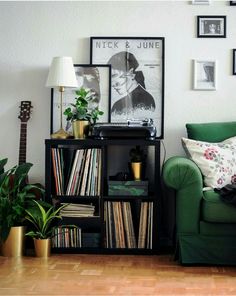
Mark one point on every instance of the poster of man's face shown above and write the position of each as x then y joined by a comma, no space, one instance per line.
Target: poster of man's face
95,79
137,67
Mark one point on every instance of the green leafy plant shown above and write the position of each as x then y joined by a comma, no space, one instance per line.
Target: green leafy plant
15,196
136,154
42,219
82,109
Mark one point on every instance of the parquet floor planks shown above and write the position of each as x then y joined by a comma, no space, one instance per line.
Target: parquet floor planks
112,275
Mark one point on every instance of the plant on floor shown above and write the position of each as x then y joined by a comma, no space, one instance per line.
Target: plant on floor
16,195
41,218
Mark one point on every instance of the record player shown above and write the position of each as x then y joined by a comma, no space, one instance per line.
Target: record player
130,129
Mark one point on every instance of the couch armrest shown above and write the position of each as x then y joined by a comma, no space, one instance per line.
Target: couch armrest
184,176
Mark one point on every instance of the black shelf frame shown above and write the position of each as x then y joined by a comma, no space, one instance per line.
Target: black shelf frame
155,196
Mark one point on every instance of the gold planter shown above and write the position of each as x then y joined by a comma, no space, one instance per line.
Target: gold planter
14,244
80,128
42,247
136,170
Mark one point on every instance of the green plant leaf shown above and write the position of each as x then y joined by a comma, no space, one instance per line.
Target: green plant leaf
42,219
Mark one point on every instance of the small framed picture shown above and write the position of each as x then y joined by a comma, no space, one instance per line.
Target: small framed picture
232,3
204,76
201,2
210,26
97,79
234,61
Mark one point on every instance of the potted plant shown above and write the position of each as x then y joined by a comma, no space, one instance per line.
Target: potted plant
137,158
15,196
82,114
41,217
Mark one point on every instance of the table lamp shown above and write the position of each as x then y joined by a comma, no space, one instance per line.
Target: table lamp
61,75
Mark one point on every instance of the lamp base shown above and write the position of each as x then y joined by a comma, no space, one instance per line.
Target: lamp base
60,134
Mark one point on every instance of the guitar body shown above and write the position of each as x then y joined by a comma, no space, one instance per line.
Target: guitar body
25,111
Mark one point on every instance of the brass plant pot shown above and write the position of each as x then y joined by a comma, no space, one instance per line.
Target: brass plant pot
136,168
14,244
42,247
80,128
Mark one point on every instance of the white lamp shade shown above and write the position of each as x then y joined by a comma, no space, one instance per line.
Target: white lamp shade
62,73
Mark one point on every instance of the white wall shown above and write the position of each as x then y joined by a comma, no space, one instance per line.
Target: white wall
31,33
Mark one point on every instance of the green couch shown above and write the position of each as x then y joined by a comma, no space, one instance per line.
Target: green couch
205,226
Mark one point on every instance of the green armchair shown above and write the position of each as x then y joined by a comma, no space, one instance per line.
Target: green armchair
205,226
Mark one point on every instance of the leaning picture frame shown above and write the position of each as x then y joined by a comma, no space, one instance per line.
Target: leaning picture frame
211,26
204,75
96,78
137,77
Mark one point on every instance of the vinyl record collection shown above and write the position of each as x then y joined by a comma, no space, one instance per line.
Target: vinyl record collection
84,175
120,230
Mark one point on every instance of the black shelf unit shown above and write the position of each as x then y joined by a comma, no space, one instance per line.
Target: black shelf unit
109,161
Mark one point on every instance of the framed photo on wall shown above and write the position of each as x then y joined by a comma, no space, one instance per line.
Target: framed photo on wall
234,61
137,77
201,2
204,77
96,78
209,26
232,3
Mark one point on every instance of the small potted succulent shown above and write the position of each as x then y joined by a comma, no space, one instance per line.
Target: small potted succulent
137,158
82,114
41,218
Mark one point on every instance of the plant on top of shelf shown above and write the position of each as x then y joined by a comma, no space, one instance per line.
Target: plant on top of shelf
82,109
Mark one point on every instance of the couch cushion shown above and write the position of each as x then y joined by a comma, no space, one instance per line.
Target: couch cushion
217,161
215,210
217,229
211,132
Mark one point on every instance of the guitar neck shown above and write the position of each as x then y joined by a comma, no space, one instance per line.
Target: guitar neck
23,138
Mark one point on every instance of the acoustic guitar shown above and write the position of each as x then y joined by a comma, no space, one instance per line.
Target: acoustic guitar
25,111
24,116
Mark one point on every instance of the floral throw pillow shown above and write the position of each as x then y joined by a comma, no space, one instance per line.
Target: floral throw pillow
217,161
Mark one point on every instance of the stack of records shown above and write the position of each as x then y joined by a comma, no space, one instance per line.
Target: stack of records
78,210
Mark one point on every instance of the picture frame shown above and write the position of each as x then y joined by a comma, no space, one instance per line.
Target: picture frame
232,3
201,2
137,79
211,26
96,77
234,62
204,75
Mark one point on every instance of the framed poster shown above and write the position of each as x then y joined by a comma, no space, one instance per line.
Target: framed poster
204,75
137,77
211,26
96,78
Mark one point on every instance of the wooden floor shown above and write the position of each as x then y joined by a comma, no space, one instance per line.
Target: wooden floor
112,275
